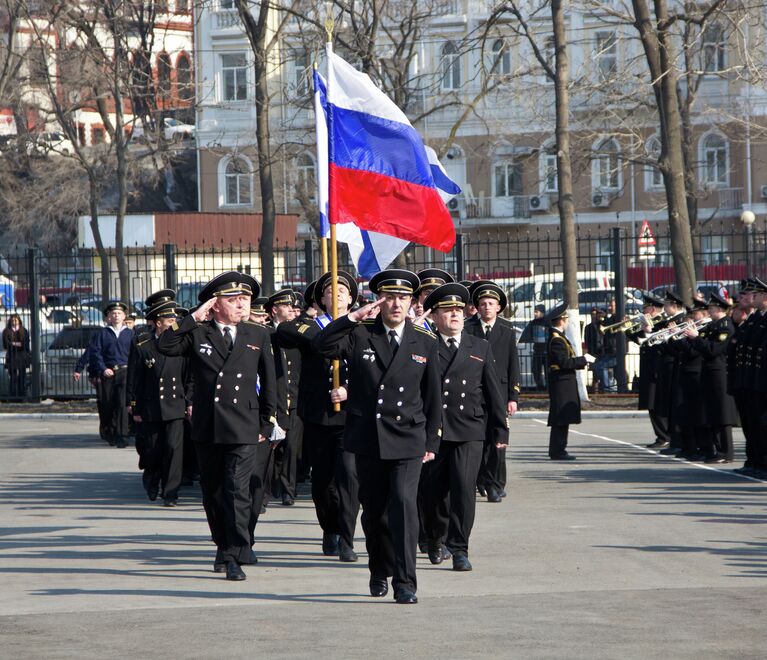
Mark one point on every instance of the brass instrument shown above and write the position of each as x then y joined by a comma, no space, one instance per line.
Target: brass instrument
634,323
675,332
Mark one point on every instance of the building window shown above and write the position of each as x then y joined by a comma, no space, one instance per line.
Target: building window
226,4
300,73
306,181
237,182
182,6
550,54
184,78
507,179
451,66
653,177
548,169
606,48
714,48
98,135
606,166
234,73
715,159
715,250
38,66
163,74
501,58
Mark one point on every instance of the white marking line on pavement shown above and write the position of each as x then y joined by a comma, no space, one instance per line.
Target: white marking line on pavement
673,458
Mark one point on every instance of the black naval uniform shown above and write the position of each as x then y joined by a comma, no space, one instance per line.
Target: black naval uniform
502,338
335,490
741,361
393,419
651,388
234,401
758,390
110,351
688,412
719,406
159,390
472,399
564,400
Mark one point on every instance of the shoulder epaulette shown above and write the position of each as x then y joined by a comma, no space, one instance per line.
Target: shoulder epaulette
140,341
249,322
368,321
424,331
303,327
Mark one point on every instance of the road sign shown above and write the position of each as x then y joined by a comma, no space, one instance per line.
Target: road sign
647,252
646,239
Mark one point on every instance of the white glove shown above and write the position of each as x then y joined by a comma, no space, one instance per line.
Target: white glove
590,359
278,434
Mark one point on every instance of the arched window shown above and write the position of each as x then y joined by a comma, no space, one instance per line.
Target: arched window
547,167
714,48
606,166
163,74
715,157
306,181
501,58
235,181
451,66
653,179
184,78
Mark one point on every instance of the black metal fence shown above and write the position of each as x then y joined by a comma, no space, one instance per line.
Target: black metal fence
60,296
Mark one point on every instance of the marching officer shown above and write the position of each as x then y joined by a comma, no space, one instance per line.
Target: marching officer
334,480
711,343
756,344
490,301
233,411
564,400
393,422
471,399
108,355
649,367
668,394
158,394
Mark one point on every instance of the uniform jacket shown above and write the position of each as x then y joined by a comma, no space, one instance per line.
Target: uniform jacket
564,400
649,370
394,406
235,394
503,341
712,344
316,373
159,386
735,355
287,364
471,393
108,351
688,409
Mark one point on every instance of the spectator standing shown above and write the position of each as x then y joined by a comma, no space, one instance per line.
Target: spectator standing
18,356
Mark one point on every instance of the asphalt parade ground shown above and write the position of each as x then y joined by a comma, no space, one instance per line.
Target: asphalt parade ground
622,553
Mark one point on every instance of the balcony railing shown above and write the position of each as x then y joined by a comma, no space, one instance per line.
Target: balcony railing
225,18
730,198
479,206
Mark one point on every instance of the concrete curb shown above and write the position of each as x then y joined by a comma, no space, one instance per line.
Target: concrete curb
523,414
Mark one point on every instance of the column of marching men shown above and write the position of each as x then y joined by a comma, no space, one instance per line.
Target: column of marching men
242,389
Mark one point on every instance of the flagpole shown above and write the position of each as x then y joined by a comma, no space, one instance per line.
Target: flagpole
333,241
323,240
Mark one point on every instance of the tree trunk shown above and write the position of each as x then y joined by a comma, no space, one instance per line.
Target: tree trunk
659,52
93,202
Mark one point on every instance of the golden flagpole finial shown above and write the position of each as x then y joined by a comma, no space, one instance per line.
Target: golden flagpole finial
329,23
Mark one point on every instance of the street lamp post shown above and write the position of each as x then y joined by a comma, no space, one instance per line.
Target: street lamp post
748,218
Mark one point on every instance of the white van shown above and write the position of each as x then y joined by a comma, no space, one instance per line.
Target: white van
527,292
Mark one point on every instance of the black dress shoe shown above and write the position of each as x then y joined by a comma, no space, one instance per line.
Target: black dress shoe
715,459
670,451
234,572
170,502
503,493
379,587
252,559
481,490
493,495
435,554
329,544
405,597
346,553
658,444
287,500
219,565
461,563
120,443
423,546
446,554
152,492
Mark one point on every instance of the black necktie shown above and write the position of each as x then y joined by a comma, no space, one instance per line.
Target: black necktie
451,345
487,331
228,338
393,341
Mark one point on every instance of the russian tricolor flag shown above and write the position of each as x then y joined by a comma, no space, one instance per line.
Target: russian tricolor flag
383,181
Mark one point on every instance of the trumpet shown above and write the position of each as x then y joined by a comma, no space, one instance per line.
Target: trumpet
675,332
634,323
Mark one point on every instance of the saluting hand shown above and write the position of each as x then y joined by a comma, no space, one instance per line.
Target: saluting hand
201,313
366,312
418,320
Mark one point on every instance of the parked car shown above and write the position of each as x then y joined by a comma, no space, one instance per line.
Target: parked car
703,287
601,297
548,289
53,143
172,130
61,356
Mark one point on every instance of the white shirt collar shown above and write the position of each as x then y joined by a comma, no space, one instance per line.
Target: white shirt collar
486,323
232,329
399,329
457,339
117,331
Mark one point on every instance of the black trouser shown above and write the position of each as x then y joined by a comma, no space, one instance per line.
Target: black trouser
723,441
453,472
388,490
539,370
163,454
226,473
558,440
492,468
659,426
286,459
335,488
18,378
743,406
699,439
190,471
115,405
444,506
259,484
